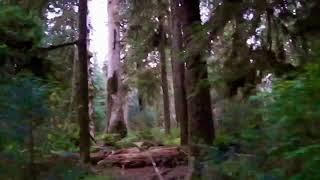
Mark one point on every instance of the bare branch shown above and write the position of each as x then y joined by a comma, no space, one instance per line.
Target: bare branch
54,47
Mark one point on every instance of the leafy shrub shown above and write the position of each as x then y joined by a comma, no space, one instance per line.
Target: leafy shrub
292,113
99,100
23,108
128,141
109,139
20,34
59,140
23,105
20,27
155,135
273,135
143,120
167,139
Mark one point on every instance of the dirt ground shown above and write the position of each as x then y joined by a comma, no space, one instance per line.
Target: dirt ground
146,173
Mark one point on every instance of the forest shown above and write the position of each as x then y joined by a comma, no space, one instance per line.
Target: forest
159,89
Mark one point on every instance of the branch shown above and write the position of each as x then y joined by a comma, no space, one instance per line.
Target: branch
156,169
53,47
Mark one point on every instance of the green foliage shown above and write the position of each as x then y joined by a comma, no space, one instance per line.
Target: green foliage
62,139
167,139
23,107
60,132
18,27
274,134
66,172
147,81
23,103
293,111
31,103
109,139
27,102
155,135
20,34
143,120
128,141
99,99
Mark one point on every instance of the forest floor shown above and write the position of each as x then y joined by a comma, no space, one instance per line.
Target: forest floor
146,173
134,163
142,163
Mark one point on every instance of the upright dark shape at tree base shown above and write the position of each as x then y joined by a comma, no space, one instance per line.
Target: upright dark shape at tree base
83,109
178,73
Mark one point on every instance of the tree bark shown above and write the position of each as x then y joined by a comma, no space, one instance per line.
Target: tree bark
83,110
201,129
164,77
178,73
91,94
74,87
115,98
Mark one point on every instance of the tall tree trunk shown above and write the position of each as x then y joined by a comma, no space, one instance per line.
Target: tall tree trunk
116,123
164,77
74,86
74,79
91,93
178,73
83,110
201,129
200,121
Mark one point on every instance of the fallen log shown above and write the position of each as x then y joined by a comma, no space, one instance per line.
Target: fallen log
98,156
162,156
127,151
